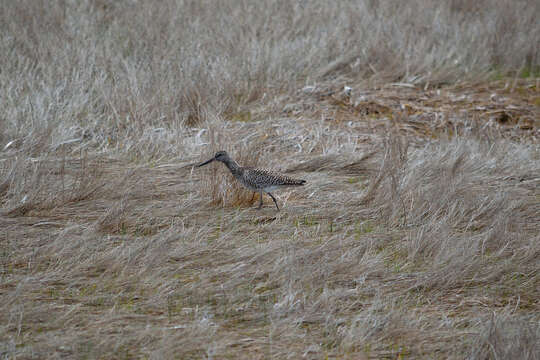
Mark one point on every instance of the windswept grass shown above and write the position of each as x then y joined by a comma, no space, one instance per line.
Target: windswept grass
414,123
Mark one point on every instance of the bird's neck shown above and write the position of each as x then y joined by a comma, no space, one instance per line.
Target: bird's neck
233,166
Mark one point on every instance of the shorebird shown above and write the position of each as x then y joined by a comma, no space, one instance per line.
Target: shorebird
257,180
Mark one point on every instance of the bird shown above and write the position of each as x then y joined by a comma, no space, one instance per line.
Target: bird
255,179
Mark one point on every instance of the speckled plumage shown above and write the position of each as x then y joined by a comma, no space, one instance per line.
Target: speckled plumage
257,180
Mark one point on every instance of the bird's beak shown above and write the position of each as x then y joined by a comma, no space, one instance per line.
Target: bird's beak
206,162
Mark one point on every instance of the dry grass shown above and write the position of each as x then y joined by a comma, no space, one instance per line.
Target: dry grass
416,236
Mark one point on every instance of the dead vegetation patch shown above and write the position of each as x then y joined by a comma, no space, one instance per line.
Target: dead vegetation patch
505,108
414,123
411,259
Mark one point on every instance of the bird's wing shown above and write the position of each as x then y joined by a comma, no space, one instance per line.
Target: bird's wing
269,177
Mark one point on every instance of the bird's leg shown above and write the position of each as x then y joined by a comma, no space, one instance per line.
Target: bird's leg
260,202
273,198
253,197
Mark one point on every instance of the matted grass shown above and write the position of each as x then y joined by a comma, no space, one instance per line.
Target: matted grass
416,235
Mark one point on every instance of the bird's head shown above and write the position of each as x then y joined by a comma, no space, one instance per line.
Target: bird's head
219,156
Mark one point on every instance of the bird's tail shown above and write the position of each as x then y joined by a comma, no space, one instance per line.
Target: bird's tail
296,182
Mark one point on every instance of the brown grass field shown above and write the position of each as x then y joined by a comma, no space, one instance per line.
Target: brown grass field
415,123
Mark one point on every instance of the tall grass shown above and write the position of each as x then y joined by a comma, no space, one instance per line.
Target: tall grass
112,245
108,73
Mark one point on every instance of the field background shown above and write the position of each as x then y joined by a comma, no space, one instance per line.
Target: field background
415,123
